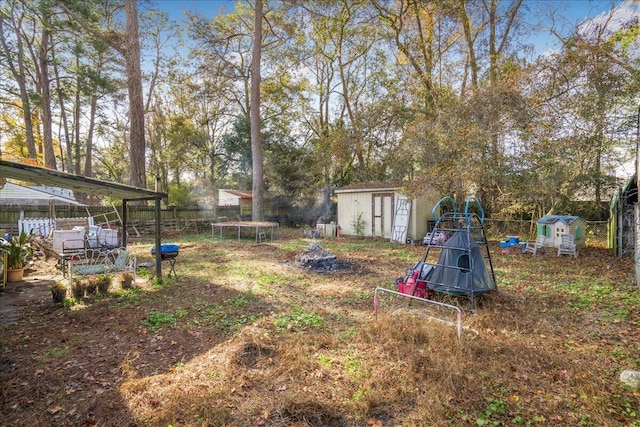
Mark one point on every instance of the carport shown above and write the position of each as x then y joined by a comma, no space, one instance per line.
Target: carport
126,193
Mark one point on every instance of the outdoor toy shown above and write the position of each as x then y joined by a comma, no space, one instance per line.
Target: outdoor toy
456,261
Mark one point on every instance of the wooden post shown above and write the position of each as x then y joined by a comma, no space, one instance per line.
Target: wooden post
124,223
636,255
158,237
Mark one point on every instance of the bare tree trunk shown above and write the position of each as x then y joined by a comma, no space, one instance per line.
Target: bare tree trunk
256,140
45,93
76,119
19,74
137,176
471,52
128,45
63,113
88,163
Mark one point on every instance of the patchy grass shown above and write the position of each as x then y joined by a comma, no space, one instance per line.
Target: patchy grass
246,338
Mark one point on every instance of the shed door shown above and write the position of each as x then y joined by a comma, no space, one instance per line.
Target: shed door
381,214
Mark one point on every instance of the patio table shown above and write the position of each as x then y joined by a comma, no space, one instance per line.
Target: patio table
257,225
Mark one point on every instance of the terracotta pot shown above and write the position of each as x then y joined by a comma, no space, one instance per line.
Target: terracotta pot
15,274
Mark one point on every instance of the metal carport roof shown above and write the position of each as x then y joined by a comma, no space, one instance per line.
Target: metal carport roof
40,175
15,194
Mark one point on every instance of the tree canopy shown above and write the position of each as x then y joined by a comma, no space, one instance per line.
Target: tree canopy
453,95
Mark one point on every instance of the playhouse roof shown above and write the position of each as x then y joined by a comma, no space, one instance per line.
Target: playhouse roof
552,219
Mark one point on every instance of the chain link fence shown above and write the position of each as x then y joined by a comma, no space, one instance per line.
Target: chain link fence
497,229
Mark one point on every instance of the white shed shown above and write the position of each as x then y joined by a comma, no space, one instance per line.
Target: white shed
234,198
382,210
554,226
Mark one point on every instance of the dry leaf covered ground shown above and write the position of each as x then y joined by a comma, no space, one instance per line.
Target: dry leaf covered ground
245,337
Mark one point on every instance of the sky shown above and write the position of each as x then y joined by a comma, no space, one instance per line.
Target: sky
206,7
573,12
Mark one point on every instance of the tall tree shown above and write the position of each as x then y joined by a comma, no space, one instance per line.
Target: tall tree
127,43
44,84
257,212
13,15
131,51
488,29
60,93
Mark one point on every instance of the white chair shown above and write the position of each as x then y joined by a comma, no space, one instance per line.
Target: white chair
533,247
567,245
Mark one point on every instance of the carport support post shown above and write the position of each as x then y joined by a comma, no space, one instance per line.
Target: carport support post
158,239
124,223
636,252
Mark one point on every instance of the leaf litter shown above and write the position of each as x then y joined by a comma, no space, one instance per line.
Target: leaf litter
550,346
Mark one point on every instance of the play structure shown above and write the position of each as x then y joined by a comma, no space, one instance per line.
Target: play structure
555,228
456,262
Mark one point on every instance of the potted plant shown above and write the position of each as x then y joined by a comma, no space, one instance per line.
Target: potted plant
58,291
77,287
91,284
126,279
103,281
18,249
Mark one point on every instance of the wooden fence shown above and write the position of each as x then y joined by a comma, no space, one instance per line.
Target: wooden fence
136,215
140,219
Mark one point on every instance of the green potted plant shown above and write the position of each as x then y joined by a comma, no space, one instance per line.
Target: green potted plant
58,291
18,249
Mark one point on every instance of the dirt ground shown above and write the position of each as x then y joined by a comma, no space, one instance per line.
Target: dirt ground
245,338
33,291
47,332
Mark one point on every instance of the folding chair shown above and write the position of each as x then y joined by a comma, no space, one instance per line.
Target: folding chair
533,247
567,245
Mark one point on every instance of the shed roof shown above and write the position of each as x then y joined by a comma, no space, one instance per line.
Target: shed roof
370,186
239,193
552,219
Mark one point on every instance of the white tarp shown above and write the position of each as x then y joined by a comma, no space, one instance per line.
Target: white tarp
14,194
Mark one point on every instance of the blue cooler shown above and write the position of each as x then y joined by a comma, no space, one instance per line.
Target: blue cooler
169,250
